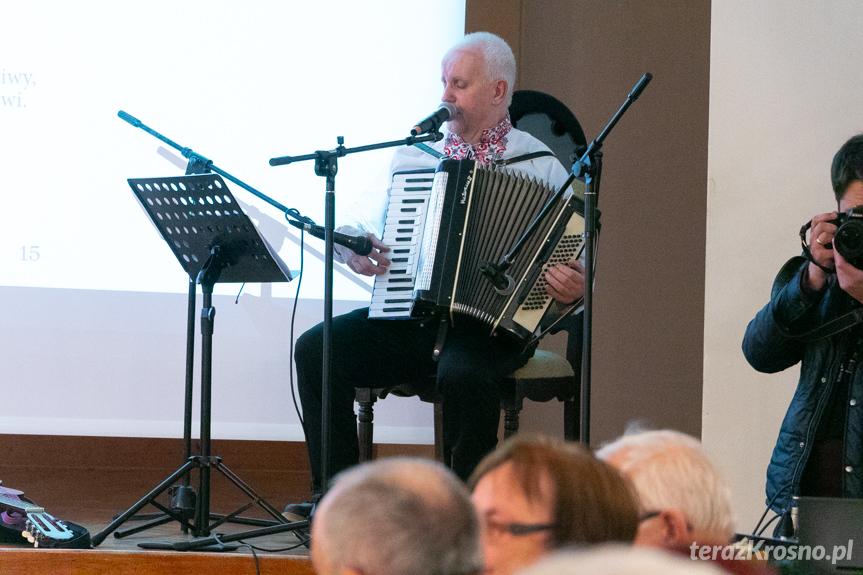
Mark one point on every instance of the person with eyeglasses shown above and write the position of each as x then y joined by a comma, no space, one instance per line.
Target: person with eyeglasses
685,502
536,494
683,496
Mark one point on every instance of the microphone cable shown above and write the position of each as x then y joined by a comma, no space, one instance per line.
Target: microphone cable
291,335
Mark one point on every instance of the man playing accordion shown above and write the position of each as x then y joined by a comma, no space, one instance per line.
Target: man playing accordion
478,75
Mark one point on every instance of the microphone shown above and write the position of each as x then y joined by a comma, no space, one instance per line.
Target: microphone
361,245
131,119
444,112
502,282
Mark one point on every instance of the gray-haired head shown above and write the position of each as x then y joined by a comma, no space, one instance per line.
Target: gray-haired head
619,560
398,516
498,57
670,470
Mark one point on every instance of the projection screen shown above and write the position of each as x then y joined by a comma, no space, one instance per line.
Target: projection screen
93,303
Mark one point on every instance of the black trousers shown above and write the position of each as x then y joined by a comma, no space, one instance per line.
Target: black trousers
380,353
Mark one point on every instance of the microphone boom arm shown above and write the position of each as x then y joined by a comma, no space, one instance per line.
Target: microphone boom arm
341,151
584,166
194,157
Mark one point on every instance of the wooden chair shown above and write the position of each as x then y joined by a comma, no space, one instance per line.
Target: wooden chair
546,375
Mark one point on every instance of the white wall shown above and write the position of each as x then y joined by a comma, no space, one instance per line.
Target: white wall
785,92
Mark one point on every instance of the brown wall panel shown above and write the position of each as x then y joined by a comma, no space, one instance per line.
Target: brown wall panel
498,17
649,298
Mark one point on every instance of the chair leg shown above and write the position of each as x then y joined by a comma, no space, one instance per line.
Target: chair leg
441,452
365,422
571,421
510,422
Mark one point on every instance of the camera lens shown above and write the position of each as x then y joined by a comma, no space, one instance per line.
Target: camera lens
849,239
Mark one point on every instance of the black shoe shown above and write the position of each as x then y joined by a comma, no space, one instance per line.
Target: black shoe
298,511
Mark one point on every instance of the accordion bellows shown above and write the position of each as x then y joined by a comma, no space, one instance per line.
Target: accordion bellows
443,228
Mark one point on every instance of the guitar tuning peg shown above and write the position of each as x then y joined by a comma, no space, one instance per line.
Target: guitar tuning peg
26,534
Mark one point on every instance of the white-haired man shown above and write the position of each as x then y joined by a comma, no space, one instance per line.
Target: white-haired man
478,75
683,496
397,516
616,559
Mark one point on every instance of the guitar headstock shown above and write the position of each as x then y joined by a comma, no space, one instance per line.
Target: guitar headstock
41,526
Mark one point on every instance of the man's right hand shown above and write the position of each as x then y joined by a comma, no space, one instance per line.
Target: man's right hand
821,245
373,264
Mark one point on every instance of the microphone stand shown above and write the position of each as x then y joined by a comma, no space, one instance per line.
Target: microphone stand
203,165
198,164
326,165
589,166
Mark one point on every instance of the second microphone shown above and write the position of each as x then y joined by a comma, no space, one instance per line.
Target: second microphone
361,245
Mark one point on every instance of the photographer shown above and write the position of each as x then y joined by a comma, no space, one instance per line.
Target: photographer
813,317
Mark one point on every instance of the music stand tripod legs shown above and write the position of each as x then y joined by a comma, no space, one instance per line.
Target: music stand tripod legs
203,462
235,252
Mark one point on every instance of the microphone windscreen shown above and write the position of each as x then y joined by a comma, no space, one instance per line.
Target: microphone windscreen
449,108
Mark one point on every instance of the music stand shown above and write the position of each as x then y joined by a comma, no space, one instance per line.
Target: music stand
214,241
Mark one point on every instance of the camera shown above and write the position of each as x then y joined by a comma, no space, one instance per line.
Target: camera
849,236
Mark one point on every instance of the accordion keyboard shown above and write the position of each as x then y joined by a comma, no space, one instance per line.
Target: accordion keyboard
403,231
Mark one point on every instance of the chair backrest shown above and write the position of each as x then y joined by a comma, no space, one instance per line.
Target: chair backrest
549,120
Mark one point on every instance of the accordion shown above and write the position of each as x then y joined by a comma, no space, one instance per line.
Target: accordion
443,226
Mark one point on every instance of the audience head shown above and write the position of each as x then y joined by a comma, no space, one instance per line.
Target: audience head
535,494
397,516
619,560
683,496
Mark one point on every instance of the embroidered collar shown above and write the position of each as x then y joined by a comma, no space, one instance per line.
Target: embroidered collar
492,144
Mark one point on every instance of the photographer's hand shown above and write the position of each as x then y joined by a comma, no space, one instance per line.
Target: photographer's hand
850,278
821,246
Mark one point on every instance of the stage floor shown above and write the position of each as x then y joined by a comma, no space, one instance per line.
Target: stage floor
282,553
91,481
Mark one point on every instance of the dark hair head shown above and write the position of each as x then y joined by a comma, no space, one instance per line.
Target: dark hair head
847,166
593,502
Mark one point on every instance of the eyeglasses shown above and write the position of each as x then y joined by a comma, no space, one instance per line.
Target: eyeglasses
651,514
517,529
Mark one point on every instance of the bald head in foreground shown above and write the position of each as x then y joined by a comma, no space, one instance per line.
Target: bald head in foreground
399,516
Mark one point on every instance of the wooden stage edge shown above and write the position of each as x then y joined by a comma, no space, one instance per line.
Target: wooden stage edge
97,562
92,480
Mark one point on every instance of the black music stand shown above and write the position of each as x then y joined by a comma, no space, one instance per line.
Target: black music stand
214,241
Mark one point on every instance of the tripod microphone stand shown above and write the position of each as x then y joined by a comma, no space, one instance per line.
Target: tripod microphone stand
221,260
214,241
326,165
590,167
202,222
